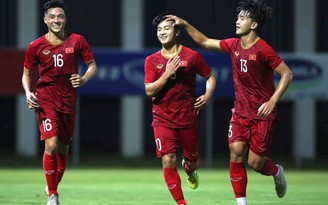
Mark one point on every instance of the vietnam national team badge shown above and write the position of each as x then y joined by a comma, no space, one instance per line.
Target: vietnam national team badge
252,57
69,50
183,63
160,66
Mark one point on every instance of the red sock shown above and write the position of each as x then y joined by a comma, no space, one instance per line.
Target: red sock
238,178
61,166
270,168
49,167
173,183
187,169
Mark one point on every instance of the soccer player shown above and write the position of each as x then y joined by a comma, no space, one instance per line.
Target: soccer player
254,115
170,79
56,56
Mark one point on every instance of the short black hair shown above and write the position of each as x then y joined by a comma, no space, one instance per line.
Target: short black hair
257,10
54,4
162,17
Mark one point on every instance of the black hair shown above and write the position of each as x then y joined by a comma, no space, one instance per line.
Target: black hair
162,17
54,4
257,10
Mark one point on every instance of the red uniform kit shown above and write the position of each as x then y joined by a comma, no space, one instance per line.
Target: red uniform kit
253,79
55,94
174,115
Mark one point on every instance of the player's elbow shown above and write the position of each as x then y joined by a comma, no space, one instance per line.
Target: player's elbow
149,92
289,76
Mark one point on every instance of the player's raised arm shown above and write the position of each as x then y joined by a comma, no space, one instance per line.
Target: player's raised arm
196,35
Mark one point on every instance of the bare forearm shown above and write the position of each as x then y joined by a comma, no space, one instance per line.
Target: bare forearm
154,88
210,85
195,34
92,71
282,86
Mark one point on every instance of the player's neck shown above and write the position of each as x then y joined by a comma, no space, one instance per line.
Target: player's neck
248,41
171,52
56,38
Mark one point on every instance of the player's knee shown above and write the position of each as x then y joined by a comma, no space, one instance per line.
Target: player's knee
255,164
169,160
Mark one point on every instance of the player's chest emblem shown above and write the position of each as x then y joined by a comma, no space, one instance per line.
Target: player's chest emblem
236,53
69,50
252,57
160,66
46,52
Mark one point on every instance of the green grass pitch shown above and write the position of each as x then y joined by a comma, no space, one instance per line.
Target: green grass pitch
119,186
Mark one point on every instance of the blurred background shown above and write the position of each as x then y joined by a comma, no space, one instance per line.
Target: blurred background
114,114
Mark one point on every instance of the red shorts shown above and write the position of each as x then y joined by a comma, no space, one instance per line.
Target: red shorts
257,133
53,123
168,140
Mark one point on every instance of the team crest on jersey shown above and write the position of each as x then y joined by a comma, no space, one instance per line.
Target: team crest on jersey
160,66
252,57
46,52
69,50
236,53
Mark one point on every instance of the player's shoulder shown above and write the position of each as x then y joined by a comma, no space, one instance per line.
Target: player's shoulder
154,55
188,50
37,41
264,46
231,40
261,42
74,35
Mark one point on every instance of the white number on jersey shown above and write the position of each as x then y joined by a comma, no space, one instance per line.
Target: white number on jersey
158,144
230,131
243,66
47,125
58,59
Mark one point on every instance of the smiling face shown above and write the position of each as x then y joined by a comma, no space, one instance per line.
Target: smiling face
245,24
166,33
55,19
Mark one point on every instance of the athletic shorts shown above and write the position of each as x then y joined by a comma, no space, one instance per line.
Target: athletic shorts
256,133
169,140
53,123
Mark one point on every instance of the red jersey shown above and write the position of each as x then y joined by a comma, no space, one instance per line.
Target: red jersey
253,75
173,106
56,64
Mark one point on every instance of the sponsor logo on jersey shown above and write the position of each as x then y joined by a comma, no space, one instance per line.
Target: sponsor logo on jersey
252,57
46,52
69,50
160,66
236,53
183,63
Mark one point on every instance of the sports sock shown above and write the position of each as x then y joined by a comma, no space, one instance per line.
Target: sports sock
49,167
187,169
238,178
61,166
173,182
269,168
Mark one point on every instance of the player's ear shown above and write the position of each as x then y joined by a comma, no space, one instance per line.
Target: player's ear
45,20
254,25
177,33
